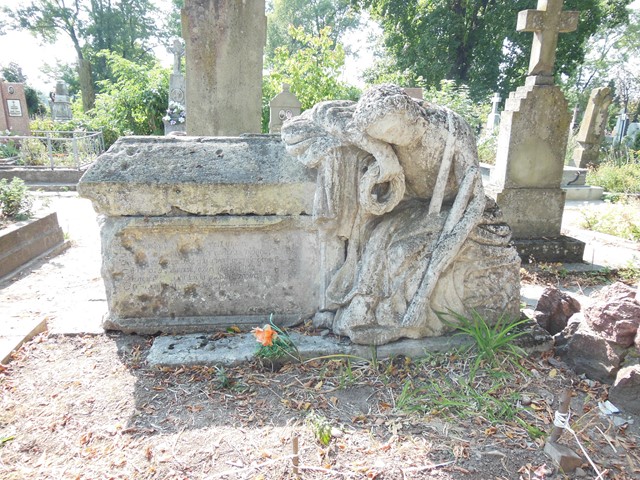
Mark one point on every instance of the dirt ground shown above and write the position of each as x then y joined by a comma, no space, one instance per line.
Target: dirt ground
89,407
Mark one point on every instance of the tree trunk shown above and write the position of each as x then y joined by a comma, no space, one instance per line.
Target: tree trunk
86,84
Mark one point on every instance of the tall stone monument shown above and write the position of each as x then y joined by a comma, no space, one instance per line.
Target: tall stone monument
175,120
532,142
14,115
592,128
61,105
224,42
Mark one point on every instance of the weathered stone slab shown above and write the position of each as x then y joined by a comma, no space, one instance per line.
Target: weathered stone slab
174,176
195,274
25,241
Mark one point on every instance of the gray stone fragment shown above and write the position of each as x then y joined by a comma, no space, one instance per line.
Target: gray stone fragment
625,392
565,458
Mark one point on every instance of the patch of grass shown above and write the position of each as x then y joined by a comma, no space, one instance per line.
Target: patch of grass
491,342
461,397
620,219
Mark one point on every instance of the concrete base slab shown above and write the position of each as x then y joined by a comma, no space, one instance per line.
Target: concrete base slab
583,193
17,331
550,249
565,458
202,349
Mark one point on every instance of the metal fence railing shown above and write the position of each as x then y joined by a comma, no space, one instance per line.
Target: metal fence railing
51,149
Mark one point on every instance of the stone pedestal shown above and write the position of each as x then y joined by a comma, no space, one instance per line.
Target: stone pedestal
200,234
526,181
61,105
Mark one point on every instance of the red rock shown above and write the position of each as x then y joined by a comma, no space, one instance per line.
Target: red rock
554,310
615,314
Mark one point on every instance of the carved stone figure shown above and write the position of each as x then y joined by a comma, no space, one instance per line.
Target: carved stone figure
398,180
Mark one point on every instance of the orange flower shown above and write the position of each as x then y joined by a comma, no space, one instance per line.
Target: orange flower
265,335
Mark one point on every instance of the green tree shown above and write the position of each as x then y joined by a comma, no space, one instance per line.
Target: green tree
313,16
65,72
313,71
134,101
474,42
124,27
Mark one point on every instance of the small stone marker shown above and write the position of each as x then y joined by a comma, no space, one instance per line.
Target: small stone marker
592,128
562,456
13,108
61,105
526,181
284,106
224,42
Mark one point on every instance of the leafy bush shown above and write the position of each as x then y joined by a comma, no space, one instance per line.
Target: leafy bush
15,199
458,99
488,149
313,72
33,152
616,178
8,149
131,104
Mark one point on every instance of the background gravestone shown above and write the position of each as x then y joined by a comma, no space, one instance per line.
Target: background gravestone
224,41
592,128
14,115
493,120
61,105
283,106
175,120
534,128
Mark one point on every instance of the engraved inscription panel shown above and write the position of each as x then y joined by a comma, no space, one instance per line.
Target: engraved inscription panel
188,268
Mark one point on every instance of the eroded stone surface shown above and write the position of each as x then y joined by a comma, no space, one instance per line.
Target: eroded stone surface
399,179
189,274
156,176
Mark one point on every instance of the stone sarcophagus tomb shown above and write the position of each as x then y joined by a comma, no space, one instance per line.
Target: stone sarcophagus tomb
205,233
370,217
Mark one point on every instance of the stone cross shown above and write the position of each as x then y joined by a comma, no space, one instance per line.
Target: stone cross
546,23
493,120
178,52
495,103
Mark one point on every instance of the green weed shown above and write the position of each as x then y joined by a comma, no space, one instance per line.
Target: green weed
620,219
320,427
491,342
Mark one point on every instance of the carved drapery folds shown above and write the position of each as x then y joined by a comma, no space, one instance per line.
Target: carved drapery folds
398,180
